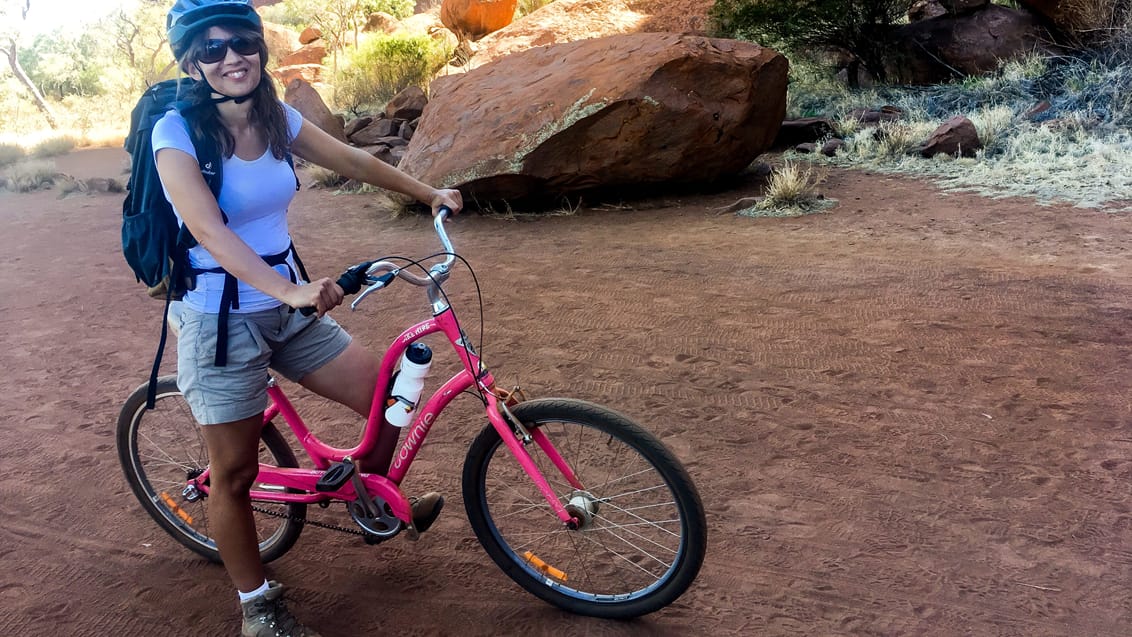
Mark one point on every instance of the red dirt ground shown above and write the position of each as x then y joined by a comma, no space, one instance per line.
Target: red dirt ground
906,416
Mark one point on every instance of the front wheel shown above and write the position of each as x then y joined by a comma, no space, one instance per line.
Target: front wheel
162,449
642,536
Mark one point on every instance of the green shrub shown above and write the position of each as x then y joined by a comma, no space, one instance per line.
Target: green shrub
53,147
808,27
397,8
10,154
383,65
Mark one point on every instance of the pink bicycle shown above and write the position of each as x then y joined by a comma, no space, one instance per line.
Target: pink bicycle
575,502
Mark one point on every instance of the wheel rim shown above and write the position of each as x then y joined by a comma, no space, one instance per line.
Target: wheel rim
632,537
168,449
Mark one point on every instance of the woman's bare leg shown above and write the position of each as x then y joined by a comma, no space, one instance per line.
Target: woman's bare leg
233,451
349,379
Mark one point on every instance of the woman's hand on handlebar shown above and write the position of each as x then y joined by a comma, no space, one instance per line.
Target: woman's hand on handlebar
448,198
321,294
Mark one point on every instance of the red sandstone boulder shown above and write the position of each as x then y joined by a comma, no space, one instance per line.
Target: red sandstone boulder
381,22
312,73
645,108
408,104
956,137
558,22
925,10
951,46
310,34
280,40
309,54
473,19
301,95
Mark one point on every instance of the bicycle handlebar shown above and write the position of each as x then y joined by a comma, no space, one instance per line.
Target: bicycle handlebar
379,274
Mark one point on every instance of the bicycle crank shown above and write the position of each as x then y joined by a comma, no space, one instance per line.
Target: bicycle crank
376,519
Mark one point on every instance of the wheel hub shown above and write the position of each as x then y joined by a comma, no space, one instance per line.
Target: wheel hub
583,506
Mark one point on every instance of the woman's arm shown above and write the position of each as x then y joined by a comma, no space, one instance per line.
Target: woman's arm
181,176
318,147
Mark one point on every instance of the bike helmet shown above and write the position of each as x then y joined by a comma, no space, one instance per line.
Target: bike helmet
188,17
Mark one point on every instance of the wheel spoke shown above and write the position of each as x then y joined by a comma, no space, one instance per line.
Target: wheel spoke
162,449
633,518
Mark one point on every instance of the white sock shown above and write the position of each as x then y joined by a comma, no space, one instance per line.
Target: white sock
253,594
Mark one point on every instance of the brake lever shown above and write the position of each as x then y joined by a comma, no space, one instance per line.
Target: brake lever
379,283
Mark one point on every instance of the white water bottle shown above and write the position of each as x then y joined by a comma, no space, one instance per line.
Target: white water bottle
407,387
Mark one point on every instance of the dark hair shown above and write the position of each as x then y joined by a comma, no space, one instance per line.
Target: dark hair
266,110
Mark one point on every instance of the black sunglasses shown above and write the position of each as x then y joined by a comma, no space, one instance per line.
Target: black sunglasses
216,50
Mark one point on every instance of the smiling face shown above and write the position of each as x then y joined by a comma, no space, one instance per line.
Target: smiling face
236,75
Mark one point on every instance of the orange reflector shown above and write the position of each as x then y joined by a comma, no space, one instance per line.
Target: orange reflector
176,508
543,567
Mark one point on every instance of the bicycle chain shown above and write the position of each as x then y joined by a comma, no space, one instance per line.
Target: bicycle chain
304,521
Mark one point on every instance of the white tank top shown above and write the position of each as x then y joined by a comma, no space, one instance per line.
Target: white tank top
255,195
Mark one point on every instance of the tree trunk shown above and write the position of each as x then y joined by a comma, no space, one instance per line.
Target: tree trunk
18,71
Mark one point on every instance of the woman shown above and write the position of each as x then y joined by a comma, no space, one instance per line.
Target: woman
219,43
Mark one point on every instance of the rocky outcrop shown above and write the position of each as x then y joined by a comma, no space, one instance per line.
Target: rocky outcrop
407,105
617,111
559,22
381,22
473,19
310,34
280,40
953,46
302,96
674,16
311,73
312,53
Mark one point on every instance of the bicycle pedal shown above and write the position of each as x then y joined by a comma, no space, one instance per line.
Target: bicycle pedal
336,476
372,539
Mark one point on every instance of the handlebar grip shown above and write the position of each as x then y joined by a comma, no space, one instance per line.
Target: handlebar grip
350,281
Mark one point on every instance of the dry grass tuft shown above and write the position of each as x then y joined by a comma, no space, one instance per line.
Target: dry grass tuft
52,147
791,191
32,175
10,154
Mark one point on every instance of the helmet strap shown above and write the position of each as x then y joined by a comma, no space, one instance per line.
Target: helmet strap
223,97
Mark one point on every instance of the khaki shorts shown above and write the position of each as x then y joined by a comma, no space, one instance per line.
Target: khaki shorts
288,342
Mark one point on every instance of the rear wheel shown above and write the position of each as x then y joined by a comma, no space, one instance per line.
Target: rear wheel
643,534
162,449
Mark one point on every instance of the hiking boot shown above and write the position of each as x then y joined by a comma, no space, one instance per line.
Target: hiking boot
267,616
426,509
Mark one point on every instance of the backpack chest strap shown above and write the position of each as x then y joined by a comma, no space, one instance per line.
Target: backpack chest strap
230,295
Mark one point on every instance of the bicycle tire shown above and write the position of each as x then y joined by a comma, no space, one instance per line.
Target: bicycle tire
162,447
572,569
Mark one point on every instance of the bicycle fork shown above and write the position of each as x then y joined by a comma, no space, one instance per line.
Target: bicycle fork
517,438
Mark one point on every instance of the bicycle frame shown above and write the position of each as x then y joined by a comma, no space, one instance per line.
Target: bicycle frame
283,485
